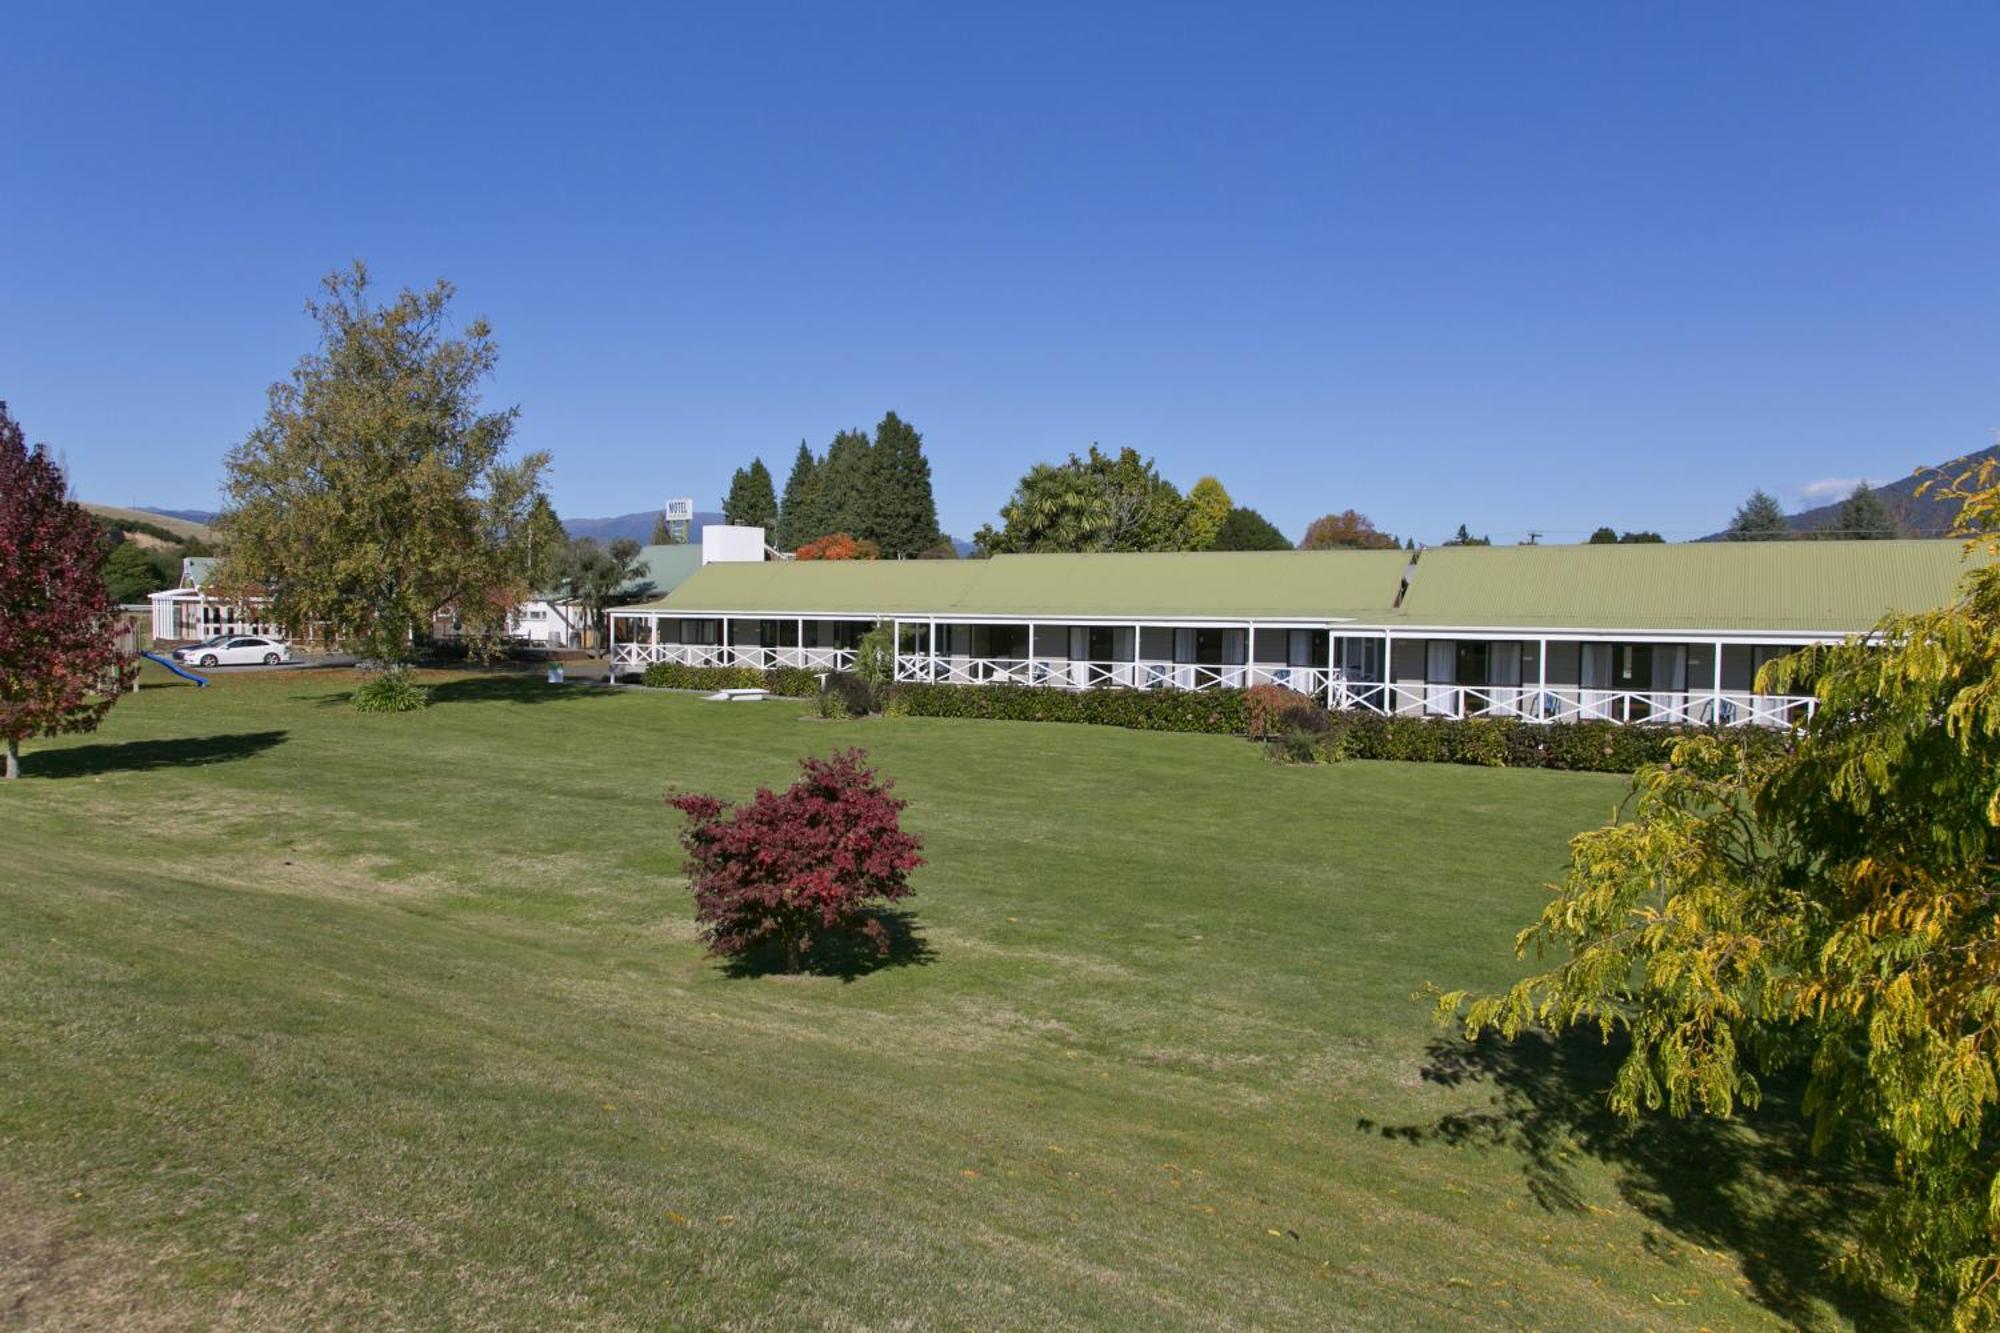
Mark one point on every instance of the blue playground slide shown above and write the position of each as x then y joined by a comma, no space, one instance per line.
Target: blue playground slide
177,669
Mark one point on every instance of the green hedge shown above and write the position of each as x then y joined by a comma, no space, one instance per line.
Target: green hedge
1222,712
1602,747
793,681
1599,747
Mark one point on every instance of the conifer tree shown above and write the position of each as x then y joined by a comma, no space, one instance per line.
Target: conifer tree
842,482
900,514
1759,519
1863,517
752,501
797,524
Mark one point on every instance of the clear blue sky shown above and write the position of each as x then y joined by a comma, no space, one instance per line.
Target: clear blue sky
1515,265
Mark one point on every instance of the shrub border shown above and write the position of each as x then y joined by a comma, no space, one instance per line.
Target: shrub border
1596,747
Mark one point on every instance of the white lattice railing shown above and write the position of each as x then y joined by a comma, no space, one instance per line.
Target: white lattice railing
638,656
1528,703
1569,703
1070,674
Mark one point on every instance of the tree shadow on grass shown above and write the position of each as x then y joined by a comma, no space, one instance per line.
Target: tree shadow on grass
78,761
520,687
849,957
1750,1186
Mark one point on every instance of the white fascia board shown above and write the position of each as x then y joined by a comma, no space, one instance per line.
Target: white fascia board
1345,625
959,618
1633,635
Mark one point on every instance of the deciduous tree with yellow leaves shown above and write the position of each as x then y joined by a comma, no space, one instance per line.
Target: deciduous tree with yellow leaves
1836,907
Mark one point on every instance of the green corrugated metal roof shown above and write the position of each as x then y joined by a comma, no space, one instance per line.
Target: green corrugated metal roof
1778,587
663,568
1798,586
1268,585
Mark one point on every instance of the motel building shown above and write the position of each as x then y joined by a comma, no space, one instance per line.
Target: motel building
1667,633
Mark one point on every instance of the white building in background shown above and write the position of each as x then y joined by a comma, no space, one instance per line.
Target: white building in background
1618,633
553,621
187,614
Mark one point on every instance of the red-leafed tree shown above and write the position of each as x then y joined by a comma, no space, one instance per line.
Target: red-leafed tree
792,868
60,666
839,546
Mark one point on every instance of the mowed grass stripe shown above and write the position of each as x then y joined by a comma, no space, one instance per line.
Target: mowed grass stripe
462,1061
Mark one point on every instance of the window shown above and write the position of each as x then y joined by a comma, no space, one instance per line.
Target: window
1475,662
1103,643
1000,641
1632,666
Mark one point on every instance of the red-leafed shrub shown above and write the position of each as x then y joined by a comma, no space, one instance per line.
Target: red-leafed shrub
794,868
839,546
1267,703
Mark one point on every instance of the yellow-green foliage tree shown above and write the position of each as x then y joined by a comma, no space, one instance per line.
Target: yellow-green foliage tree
376,495
1836,907
1208,506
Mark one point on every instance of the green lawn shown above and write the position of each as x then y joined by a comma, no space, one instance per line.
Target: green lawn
314,1017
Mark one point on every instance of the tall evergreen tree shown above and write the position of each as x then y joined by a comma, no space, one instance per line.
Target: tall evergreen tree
901,513
843,480
752,501
797,524
1863,517
1760,519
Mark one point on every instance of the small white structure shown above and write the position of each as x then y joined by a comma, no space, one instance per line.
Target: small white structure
721,541
547,623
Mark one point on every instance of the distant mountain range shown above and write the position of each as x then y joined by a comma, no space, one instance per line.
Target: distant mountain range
1918,515
639,527
202,517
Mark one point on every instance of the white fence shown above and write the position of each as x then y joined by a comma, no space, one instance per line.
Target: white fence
638,656
1070,674
1527,703
1569,703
